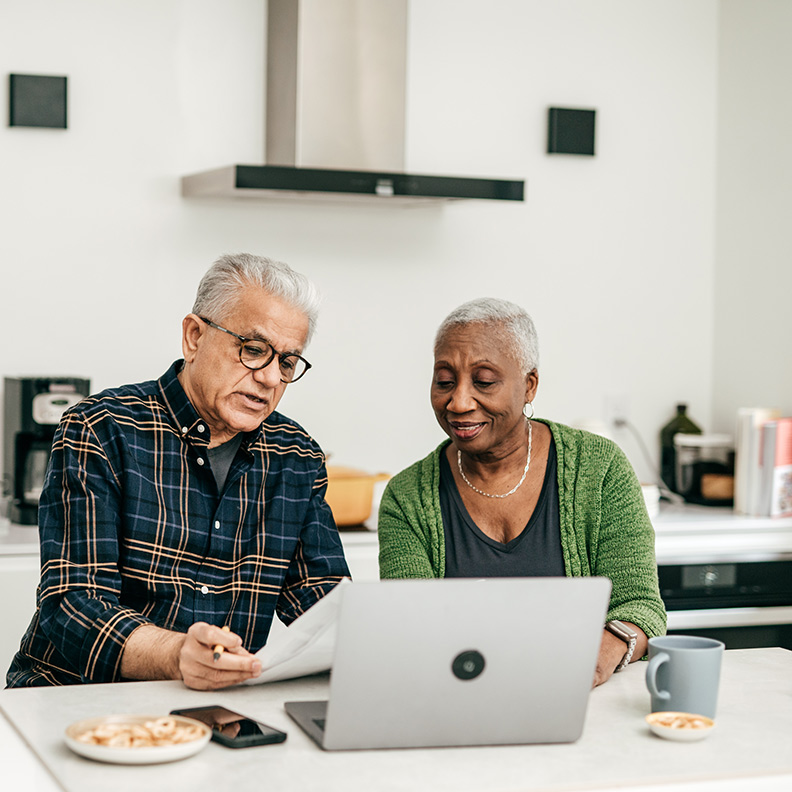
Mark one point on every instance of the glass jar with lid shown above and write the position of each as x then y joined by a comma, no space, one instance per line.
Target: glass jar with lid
705,468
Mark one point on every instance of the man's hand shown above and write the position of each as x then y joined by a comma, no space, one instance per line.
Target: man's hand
154,653
201,671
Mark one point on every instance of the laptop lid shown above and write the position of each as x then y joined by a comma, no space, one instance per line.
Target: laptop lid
458,662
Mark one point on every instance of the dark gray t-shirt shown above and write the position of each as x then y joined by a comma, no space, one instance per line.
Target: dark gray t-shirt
221,457
536,552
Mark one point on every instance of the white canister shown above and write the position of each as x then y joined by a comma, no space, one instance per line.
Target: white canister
651,493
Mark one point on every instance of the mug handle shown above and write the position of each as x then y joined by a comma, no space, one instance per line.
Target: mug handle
651,675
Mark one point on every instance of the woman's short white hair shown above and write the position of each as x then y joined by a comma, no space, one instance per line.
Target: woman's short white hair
220,286
512,319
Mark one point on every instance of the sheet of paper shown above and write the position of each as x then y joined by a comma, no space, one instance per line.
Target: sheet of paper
306,646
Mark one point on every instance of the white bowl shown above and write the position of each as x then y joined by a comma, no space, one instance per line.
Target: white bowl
681,726
138,755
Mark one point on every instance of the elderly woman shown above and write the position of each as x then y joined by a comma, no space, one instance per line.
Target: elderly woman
513,495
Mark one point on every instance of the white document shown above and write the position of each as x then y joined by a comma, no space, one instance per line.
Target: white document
306,646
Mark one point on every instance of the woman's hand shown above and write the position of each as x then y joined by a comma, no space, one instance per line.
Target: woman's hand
612,651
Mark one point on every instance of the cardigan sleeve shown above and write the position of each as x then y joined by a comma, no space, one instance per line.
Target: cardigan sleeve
625,550
410,526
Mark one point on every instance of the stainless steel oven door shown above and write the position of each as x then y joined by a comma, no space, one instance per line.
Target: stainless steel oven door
738,628
745,604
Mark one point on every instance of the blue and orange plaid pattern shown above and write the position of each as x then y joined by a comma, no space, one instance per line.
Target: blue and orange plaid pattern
133,530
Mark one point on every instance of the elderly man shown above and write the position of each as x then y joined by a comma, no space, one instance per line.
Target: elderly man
178,507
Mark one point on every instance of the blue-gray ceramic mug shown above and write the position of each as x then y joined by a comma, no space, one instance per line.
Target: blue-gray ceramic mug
683,674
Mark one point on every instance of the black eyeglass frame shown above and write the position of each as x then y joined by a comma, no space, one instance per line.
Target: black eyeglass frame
273,352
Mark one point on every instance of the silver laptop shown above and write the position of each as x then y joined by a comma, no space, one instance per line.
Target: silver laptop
457,662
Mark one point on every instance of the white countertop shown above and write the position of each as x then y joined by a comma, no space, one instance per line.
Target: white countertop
684,534
748,749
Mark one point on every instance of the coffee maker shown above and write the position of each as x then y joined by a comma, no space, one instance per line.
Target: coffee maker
33,408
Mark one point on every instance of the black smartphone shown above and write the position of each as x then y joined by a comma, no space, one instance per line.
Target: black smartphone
232,729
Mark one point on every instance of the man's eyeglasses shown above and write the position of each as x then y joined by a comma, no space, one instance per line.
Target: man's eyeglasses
256,354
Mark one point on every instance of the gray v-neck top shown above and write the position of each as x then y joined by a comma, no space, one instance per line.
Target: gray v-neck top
535,552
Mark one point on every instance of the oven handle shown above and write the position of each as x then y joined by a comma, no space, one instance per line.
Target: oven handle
728,617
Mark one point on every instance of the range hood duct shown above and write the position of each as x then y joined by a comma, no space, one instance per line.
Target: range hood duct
336,112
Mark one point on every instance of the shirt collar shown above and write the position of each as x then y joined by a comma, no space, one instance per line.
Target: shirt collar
184,415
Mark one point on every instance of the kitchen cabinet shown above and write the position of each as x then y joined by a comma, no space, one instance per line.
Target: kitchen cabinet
19,576
362,554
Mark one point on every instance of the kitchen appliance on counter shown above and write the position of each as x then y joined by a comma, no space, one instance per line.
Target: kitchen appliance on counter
33,406
705,468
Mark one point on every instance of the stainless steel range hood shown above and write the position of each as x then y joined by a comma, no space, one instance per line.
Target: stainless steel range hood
336,104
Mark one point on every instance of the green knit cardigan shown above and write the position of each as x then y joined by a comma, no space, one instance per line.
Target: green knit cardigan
605,528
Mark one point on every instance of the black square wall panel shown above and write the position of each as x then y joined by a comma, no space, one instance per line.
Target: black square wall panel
36,100
570,131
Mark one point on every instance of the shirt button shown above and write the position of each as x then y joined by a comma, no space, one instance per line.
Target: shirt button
184,430
201,427
204,589
217,523
200,461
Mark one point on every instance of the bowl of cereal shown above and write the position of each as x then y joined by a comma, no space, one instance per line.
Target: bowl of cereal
137,739
682,726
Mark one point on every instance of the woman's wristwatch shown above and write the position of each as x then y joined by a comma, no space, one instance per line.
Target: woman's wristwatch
628,635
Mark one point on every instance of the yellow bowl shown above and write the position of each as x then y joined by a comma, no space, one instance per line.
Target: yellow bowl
681,726
350,493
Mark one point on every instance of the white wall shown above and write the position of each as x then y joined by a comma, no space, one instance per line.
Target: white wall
613,255
753,318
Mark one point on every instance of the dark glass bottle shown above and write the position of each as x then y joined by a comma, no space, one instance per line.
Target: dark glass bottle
679,423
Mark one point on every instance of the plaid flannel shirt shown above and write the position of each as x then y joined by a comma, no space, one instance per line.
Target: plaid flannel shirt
133,530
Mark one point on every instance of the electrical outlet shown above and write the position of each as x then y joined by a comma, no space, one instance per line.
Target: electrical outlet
617,409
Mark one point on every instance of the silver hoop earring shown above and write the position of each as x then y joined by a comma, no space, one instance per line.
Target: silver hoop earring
528,404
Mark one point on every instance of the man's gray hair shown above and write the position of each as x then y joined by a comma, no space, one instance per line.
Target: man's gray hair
512,319
220,286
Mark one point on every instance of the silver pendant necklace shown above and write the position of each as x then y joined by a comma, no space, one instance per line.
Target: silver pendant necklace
511,491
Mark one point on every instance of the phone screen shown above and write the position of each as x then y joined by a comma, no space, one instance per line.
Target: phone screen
232,729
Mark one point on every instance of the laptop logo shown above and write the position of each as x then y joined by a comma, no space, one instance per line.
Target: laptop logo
468,665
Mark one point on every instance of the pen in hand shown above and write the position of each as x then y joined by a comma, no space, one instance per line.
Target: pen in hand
219,648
